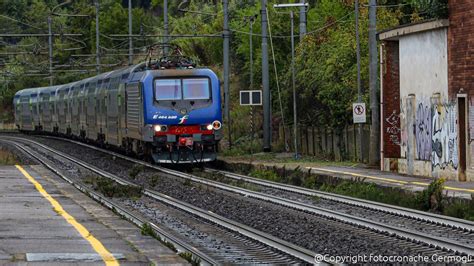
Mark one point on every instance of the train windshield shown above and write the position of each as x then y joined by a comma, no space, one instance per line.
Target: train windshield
196,89
168,89
182,89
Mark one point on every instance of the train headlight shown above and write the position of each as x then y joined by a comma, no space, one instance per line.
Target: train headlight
216,125
160,128
209,127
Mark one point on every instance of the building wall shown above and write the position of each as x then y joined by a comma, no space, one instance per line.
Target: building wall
425,105
423,64
436,72
427,115
461,65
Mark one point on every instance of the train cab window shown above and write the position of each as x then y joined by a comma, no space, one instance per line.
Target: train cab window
196,89
167,89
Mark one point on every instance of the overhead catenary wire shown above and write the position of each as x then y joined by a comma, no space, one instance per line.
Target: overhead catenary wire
309,32
24,23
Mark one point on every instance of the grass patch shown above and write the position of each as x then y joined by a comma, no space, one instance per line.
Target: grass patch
7,158
154,180
266,174
432,199
189,257
112,189
187,182
136,169
147,230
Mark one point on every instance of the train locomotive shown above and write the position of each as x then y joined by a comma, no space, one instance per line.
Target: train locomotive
166,110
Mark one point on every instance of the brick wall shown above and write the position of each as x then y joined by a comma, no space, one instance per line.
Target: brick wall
461,47
391,100
461,63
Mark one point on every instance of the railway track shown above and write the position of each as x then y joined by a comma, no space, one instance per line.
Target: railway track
458,233
447,226
268,248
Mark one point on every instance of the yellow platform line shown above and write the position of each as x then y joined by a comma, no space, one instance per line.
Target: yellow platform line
390,180
107,257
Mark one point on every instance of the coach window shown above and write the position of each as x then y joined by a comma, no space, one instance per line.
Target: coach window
196,89
167,89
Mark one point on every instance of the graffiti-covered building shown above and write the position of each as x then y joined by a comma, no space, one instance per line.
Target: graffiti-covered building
427,96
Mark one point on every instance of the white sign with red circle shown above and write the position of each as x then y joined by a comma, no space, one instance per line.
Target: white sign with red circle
359,112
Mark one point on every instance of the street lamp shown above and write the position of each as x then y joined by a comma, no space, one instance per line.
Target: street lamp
295,119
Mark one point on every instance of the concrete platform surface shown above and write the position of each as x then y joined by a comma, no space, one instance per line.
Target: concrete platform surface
412,183
64,226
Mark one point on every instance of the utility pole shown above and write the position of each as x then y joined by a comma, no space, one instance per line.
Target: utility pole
130,42
374,155
267,129
165,25
97,36
302,20
359,86
251,20
226,71
251,51
293,81
50,46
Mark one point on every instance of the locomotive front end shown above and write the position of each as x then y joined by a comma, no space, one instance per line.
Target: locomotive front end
184,115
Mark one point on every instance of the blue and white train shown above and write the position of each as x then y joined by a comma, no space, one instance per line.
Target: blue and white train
171,115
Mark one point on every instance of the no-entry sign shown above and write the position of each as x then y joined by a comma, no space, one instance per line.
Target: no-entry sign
359,113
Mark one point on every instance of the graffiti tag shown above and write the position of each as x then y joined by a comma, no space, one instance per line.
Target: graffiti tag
393,130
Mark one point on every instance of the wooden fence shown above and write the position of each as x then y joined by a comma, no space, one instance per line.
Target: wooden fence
337,145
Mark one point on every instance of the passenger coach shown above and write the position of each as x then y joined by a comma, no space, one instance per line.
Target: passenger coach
170,115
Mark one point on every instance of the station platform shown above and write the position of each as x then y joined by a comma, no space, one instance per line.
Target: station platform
46,221
412,183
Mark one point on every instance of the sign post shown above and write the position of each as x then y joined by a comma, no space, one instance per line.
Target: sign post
359,113
253,97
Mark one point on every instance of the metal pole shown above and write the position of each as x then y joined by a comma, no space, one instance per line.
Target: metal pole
251,52
252,130
359,86
50,45
265,84
130,42
374,155
295,118
165,25
97,34
226,71
302,20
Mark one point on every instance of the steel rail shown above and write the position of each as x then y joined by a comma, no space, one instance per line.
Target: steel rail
347,218
267,239
135,219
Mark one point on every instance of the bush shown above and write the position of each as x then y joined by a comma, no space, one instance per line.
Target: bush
431,199
147,230
189,257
